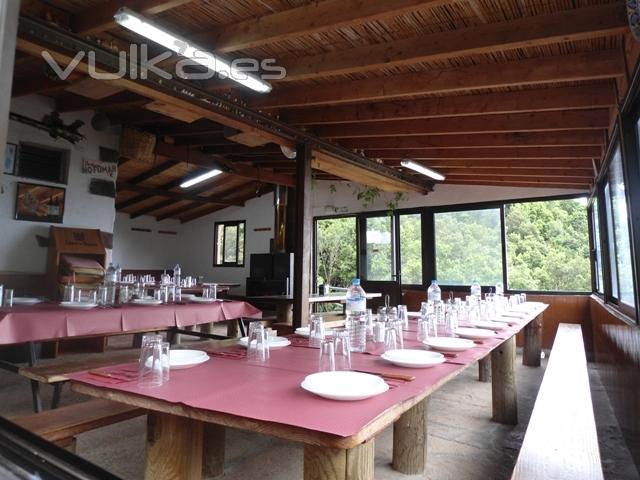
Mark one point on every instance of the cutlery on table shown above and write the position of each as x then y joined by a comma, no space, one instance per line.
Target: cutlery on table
396,376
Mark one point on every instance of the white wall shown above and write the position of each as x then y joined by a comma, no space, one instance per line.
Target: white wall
19,250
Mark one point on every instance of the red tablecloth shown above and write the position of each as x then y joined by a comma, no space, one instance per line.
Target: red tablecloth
48,321
272,392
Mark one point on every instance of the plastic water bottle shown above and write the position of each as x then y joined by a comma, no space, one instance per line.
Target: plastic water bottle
356,298
434,294
176,275
110,276
476,291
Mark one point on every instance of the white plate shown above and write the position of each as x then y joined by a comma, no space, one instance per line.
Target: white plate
490,325
274,342
145,301
26,301
302,331
345,386
179,359
78,305
449,344
413,358
202,300
188,296
414,314
474,333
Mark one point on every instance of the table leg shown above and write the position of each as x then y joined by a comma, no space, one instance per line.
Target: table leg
410,440
532,342
323,463
503,383
284,313
213,463
232,328
35,385
484,369
174,448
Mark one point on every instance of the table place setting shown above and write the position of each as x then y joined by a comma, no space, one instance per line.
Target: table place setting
344,385
413,358
26,300
78,305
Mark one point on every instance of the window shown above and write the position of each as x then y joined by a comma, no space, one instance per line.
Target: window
548,246
229,244
336,247
379,256
42,163
468,247
618,228
597,246
411,248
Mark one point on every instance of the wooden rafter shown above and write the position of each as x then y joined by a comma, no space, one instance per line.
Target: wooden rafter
582,152
569,25
525,171
158,192
242,194
604,64
535,100
71,103
521,184
152,172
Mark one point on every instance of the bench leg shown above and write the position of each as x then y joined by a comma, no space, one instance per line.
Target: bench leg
410,440
503,383
57,391
213,446
323,463
532,342
174,448
35,386
484,369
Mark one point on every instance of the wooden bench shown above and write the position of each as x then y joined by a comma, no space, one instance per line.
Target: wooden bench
561,440
61,425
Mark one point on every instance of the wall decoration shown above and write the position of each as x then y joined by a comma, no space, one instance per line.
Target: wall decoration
39,203
104,188
10,153
93,167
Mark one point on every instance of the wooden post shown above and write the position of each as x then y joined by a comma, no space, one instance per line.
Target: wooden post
484,369
174,448
532,342
213,463
410,440
323,463
503,383
232,328
302,259
9,13
284,313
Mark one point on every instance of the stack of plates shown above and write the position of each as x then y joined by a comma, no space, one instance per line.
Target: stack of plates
490,325
413,358
474,333
78,305
449,344
179,359
26,300
145,301
274,342
345,386
302,331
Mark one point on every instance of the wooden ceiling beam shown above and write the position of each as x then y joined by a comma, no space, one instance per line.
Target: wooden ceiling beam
70,102
243,193
548,180
203,140
582,152
536,100
511,164
534,31
314,17
604,64
541,173
39,84
159,192
242,150
152,172
512,122
199,127
520,184
530,139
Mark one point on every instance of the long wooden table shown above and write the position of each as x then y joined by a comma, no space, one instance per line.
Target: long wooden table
341,448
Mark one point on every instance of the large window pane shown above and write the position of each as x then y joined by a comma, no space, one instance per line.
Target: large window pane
231,244
379,264
336,248
468,247
621,230
548,246
610,241
597,246
411,249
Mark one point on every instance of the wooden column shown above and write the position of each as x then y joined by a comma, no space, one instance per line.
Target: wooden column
213,450
9,12
532,342
410,440
302,258
503,383
484,369
174,448
322,463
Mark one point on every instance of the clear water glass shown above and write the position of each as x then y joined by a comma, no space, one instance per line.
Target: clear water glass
423,329
327,357
390,338
166,361
356,325
369,319
424,309
86,295
342,349
403,316
258,345
8,297
382,314
102,295
316,331
378,331
523,298
399,337
69,293
124,295
150,371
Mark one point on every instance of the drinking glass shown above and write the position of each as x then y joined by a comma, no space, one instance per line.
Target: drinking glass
392,314
342,349
258,345
166,361
390,338
316,331
150,371
85,295
213,290
123,295
379,331
382,314
8,297
523,298
327,358
424,309
423,328
403,316
397,324
356,324
102,295
69,293
369,319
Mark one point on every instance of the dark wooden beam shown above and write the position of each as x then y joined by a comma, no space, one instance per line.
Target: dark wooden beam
38,84
549,164
606,64
304,220
152,172
585,152
548,180
158,192
165,186
521,184
203,140
199,127
70,102
243,194
523,171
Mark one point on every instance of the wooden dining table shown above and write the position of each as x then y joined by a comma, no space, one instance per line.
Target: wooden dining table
188,415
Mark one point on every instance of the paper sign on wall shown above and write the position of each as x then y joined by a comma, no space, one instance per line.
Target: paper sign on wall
93,167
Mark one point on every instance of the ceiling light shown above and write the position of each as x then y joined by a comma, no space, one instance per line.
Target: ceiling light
200,178
142,26
422,169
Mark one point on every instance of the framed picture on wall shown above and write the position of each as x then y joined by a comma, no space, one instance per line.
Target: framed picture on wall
10,158
39,203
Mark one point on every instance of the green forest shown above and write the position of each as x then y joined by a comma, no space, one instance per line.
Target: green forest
547,247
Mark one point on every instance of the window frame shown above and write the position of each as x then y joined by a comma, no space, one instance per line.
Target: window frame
240,263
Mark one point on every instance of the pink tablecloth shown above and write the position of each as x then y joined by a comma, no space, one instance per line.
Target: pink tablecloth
272,392
48,321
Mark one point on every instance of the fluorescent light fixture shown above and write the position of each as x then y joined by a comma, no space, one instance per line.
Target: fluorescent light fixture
200,178
144,27
422,169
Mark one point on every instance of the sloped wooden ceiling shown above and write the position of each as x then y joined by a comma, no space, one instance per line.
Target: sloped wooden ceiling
503,92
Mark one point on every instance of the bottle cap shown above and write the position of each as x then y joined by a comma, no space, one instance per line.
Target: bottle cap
355,281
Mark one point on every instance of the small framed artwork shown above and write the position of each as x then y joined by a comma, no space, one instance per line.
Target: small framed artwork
10,158
39,203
